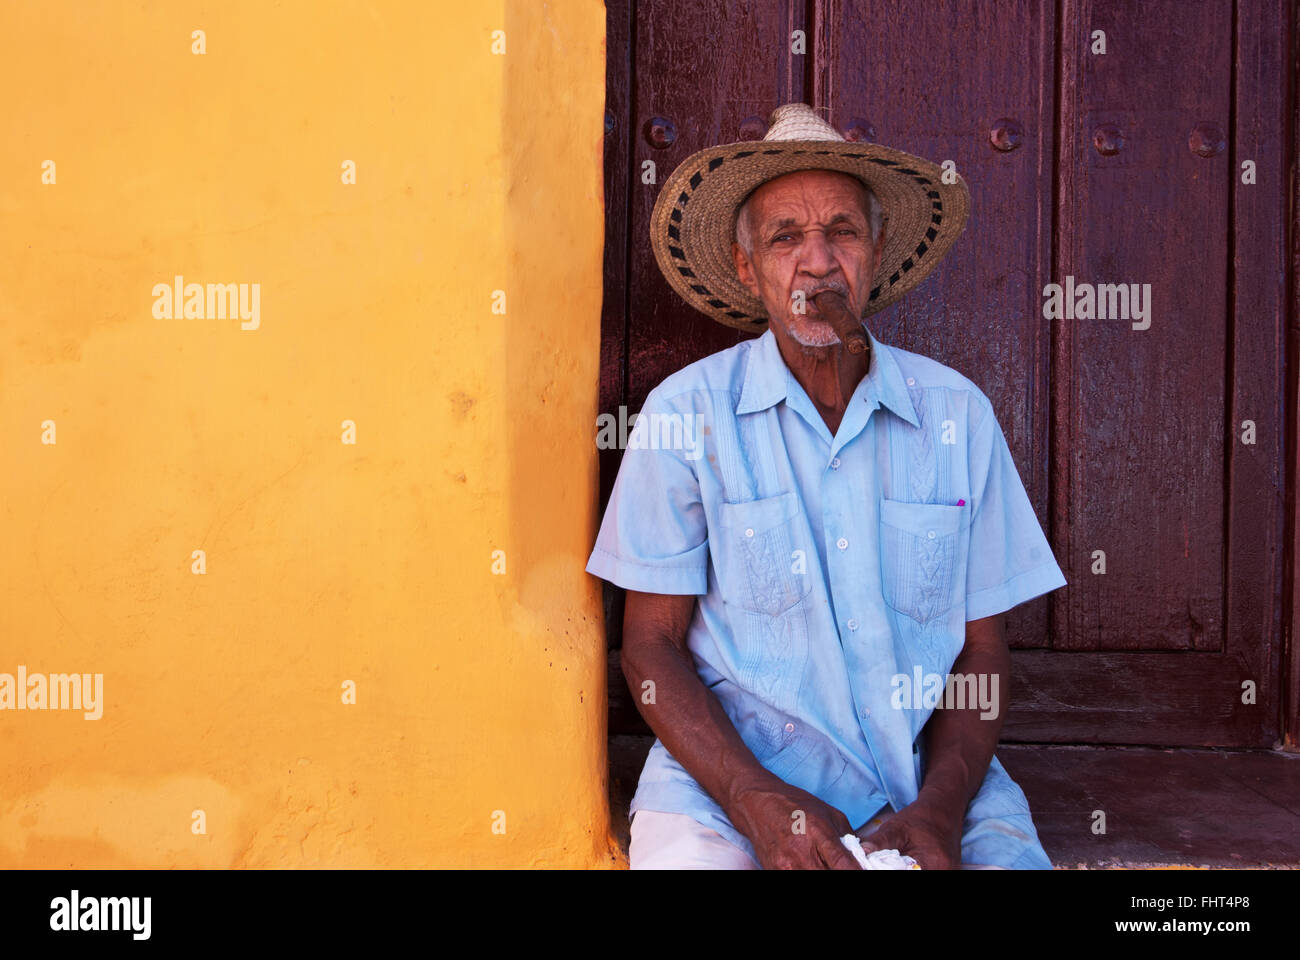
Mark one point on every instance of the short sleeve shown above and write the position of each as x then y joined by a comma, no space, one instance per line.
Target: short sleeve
654,537
1010,559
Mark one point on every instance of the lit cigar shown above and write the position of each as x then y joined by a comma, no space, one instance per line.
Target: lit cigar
832,307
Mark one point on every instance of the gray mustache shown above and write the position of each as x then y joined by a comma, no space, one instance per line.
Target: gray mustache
809,294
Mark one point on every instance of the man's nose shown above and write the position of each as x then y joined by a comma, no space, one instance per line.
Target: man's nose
816,256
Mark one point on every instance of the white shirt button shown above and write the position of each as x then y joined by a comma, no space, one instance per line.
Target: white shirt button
842,543
789,728
835,463
930,534
911,381
750,532
853,624
865,713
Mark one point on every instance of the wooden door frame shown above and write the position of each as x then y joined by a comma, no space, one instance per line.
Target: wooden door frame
1291,617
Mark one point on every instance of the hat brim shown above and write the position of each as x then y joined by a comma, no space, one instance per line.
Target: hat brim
694,219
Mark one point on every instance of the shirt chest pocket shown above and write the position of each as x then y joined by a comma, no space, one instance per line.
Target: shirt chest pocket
764,573
921,569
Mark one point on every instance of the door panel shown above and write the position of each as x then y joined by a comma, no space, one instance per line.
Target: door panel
1143,419
1142,446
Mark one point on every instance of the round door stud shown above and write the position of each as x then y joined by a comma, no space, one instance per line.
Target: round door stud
753,128
1108,140
860,130
1006,134
660,132
1206,140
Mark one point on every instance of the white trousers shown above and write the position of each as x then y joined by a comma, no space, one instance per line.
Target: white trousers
674,841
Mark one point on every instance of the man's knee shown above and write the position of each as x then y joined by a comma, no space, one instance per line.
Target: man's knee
998,829
674,841
1010,842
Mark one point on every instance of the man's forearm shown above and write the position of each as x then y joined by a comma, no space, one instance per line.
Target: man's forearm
959,744
691,723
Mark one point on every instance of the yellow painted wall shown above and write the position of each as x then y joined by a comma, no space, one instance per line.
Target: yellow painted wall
325,562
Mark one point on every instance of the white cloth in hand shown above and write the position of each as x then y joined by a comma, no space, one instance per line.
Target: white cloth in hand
879,859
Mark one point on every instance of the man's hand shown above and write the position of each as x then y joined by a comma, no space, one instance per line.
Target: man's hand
927,835
790,828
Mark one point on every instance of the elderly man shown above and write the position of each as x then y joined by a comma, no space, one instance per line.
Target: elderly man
816,595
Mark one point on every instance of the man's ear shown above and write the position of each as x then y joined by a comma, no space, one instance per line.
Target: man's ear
744,269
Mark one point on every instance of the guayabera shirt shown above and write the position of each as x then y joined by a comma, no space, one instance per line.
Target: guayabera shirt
826,567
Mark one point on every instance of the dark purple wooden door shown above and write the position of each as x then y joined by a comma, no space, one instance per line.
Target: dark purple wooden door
1152,448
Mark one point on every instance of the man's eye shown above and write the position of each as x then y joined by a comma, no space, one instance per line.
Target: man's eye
848,232
783,236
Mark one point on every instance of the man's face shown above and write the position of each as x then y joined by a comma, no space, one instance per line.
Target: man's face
810,233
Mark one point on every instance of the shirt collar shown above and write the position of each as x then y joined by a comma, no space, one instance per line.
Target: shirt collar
767,379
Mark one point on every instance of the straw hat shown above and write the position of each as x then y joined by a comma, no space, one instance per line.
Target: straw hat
694,219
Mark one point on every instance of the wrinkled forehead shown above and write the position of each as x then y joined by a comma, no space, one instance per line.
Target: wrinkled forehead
780,195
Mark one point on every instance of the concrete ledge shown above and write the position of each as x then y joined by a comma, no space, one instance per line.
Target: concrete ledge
1163,807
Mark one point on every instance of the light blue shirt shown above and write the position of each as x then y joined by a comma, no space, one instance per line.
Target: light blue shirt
826,568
